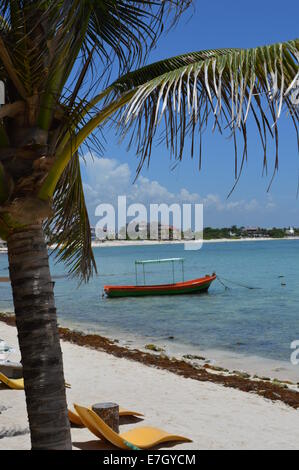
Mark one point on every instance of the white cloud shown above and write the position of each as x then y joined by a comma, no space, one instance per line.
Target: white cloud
213,201
270,204
106,178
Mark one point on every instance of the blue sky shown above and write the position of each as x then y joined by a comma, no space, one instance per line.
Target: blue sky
212,25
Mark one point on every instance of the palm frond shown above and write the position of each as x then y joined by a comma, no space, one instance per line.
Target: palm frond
38,36
114,32
73,143
10,69
224,86
69,228
127,29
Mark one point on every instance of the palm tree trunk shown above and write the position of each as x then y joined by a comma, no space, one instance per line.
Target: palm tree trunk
38,339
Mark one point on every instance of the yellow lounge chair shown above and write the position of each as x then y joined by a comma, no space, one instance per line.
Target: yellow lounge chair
17,384
75,418
136,439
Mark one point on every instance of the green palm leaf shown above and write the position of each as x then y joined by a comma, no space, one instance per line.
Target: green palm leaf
69,229
225,86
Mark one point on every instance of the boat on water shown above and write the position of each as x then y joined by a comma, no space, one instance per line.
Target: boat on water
193,286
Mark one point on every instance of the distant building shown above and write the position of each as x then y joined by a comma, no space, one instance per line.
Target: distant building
101,234
290,232
3,246
254,232
93,233
169,232
151,231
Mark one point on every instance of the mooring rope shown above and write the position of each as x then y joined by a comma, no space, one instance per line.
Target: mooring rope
222,283
236,283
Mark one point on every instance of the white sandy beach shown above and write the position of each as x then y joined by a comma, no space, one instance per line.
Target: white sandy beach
213,416
249,363
111,243
118,243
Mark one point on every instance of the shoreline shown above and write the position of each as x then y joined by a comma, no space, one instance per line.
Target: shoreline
192,368
118,243
122,243
251,364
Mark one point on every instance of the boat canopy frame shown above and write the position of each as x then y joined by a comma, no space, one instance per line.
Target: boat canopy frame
143,263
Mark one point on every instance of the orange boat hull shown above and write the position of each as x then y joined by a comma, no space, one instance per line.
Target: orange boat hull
194,286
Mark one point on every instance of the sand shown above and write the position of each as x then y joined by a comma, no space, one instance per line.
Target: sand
118,243
213,416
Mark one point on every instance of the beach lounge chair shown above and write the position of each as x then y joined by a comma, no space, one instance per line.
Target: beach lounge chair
75,418
135,439
17,384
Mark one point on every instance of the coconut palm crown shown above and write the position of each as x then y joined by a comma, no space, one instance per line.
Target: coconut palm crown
54,55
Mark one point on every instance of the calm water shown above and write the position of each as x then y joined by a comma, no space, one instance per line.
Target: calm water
261,322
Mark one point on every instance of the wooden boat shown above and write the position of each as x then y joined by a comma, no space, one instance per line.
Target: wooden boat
194,286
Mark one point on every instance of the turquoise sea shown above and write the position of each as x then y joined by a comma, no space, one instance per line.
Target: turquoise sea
260,322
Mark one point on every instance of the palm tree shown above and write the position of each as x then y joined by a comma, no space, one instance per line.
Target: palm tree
48,52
